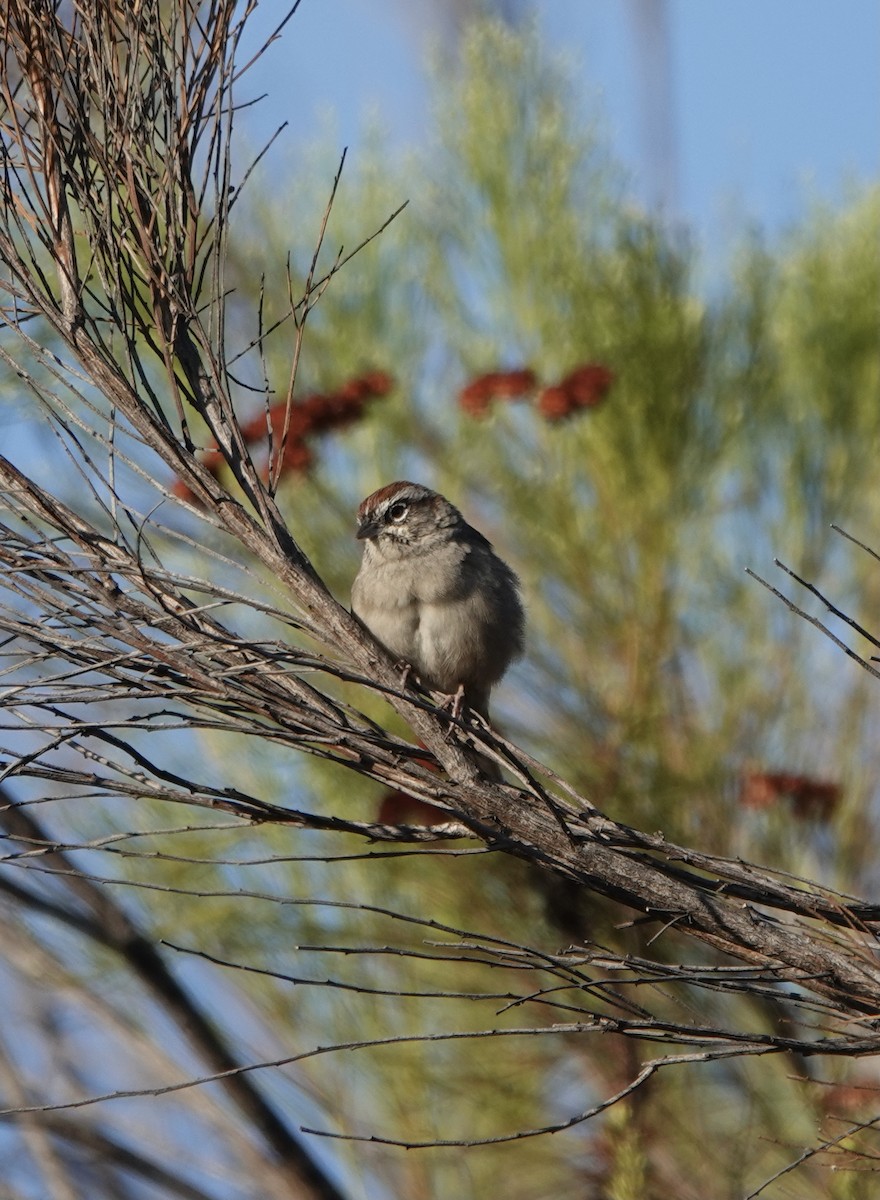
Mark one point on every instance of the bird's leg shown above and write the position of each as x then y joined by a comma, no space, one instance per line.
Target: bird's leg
405,670
457,702
455,706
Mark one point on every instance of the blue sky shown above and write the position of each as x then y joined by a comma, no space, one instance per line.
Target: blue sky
771,102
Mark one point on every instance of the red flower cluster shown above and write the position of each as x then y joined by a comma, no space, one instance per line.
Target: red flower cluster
584,387
316,414
477,397
397,808
809,797
319,412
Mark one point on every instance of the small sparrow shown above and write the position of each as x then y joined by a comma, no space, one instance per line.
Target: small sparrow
432,590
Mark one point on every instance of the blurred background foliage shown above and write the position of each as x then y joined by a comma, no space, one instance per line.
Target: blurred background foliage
659,678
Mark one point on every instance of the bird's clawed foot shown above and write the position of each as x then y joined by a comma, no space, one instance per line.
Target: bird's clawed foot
455,706
457,702
406,671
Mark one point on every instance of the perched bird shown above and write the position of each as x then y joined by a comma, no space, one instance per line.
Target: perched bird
432,590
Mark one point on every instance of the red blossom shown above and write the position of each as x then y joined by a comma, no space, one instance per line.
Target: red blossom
397,808
297,455
373,383
809,797
317,413
584,387
510,384
213,461
477,396
588,385
256,431
289,426
475,399
555,404
332,410
183,492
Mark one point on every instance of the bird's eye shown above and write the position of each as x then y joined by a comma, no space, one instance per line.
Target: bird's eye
397,512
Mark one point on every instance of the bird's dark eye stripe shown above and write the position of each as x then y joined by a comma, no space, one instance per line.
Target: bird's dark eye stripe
397,512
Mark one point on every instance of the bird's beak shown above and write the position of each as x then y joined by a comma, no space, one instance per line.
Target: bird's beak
368,529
